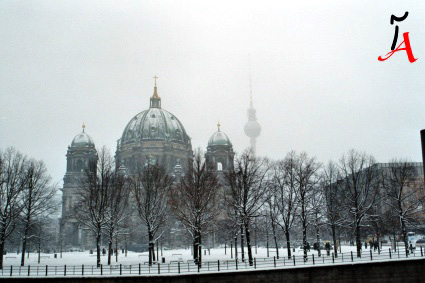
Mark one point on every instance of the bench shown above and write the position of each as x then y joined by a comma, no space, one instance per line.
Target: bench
143,255
11,257
147,262
177,261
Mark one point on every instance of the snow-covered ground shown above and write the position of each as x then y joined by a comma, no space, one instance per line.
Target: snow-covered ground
180,261
73,258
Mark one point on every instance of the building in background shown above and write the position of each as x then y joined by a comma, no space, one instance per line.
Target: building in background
80,153
152,136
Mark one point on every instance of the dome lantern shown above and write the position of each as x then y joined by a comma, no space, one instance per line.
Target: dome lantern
155,101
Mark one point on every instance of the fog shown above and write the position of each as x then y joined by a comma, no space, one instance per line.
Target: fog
316,82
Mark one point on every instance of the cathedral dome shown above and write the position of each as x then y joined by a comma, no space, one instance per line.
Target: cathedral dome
82,140
219,138
154,124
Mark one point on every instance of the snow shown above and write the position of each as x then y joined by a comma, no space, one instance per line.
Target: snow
84,264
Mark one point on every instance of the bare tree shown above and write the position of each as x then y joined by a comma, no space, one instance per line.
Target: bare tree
273,213
151,187
359,181
194,201
13,180
248,184
306,187
284,182
333,198
37,200
403,194
317,214
94,196
117,211
42,233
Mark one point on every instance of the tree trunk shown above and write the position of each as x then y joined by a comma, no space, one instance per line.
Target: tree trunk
358,243
248,244
126,246
404,232
242,245
304,226
275,239
334,240
305,242
39,250
196,247
288,243
24,245
318,240
151,250
109,251
98,248
236,246
2,252
116,250
200,249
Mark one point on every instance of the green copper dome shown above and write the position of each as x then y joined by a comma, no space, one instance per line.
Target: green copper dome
219,138
154,124
82,140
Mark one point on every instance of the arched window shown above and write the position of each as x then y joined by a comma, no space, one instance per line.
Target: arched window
219,166
79,165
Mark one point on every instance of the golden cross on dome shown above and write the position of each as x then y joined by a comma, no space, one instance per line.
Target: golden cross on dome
83,126
155,79
218,125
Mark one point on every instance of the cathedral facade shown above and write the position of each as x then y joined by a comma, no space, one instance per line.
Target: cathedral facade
152,136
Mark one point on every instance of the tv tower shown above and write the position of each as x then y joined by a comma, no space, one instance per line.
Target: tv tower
252,127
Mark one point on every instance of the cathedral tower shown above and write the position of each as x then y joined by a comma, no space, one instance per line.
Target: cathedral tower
220,155
80,153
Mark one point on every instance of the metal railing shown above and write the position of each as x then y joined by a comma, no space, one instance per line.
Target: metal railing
189,267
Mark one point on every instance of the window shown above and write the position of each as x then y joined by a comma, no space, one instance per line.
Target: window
79,165
219,166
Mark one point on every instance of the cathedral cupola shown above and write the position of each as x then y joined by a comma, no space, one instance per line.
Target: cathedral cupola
220,153
80,153
82,139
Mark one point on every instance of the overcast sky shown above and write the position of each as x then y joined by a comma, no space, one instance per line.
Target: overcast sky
316,81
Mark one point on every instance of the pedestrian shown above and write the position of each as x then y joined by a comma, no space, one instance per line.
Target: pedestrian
328,248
